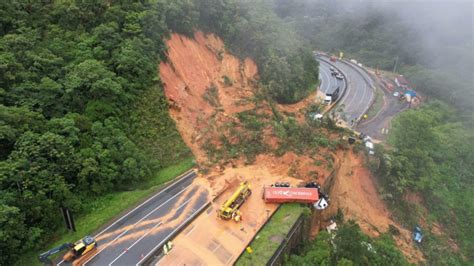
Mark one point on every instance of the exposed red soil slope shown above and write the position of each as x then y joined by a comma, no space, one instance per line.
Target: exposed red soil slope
195,66
355,192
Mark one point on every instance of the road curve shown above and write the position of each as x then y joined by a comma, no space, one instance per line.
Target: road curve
328,82
359,93
134,236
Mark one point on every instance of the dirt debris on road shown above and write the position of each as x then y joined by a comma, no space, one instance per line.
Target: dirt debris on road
198,245
208,89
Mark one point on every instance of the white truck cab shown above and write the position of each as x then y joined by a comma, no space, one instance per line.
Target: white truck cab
328,99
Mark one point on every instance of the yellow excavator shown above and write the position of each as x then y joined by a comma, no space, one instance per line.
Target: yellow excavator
76,250
230,209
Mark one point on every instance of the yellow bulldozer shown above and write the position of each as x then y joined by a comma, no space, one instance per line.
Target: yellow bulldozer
230,209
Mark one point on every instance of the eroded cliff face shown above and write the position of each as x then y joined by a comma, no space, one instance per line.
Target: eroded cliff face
205,85
206,88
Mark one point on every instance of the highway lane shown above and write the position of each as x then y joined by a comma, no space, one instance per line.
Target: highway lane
377,127
359,93
358,97
328,82
134,236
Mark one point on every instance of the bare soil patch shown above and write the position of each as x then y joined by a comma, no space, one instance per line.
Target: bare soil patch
207,90
355,192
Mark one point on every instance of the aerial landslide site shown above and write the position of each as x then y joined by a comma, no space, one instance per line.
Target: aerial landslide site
238,135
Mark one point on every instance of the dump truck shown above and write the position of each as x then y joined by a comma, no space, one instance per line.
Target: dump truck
290,194
230,209
75,250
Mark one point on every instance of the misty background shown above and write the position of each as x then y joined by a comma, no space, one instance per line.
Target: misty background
430,42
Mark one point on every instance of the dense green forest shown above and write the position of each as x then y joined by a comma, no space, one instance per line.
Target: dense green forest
348,246
433,157
82,112
70,75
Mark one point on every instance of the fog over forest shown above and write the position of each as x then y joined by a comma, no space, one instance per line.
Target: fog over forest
430,41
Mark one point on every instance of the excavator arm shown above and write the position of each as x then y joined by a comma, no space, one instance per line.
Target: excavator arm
44,257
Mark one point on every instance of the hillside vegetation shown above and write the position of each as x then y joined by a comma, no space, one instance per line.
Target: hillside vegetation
348,246
433,158
431,149
286,65
69,132
82,111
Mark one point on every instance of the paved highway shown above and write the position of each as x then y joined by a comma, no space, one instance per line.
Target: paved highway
359,96
136,235
359,92
377,127
328,82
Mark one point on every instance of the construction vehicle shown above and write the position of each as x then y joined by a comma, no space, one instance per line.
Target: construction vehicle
230,209
76,250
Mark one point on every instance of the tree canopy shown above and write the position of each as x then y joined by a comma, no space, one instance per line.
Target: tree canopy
348,246
82,111
71,75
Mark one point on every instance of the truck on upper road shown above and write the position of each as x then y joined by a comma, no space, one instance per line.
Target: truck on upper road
331,96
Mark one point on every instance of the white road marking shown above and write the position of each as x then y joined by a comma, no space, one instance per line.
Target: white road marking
185,175
366,88
190,231
143,236
328,76
143,203
356,91
328,80
166,238
229,259
133,226
361,100
218,246
353,93
134,243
